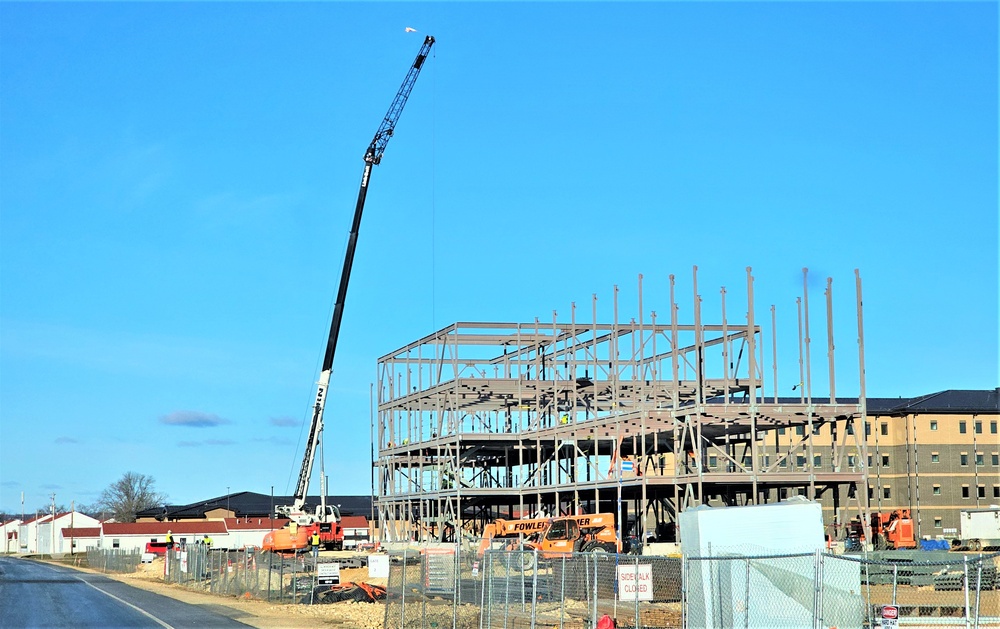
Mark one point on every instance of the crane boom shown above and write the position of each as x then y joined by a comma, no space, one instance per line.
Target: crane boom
372,157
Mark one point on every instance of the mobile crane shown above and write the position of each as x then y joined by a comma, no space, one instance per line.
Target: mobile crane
325,519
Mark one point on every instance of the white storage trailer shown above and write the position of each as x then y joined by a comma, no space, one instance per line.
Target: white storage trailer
980,528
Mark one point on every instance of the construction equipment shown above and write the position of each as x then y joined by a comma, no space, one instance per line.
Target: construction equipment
553,537
893,530
325,519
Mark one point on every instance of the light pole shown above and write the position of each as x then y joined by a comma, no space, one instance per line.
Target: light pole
227,497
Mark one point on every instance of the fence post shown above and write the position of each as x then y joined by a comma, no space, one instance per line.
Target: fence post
402,601
637,588
746,596
457,583
534,587
685,576
895,573
562,591
979,586
483,609
593,618
965,586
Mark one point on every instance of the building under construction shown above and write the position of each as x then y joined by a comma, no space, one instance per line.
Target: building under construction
643,418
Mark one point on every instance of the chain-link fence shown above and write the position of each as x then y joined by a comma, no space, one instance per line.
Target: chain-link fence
113,559
244,573
446,588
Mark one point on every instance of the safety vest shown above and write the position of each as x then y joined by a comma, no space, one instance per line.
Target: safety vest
315,539
208,542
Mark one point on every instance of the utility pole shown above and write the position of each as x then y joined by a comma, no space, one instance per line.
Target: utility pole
52,525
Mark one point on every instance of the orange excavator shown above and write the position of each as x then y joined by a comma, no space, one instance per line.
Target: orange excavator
324,519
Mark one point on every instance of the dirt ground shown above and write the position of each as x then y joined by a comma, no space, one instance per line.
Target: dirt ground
262,614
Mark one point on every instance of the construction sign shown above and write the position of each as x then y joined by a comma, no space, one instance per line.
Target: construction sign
328,574
635,582
890,617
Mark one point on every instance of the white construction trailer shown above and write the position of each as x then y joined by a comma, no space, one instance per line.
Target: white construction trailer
979,529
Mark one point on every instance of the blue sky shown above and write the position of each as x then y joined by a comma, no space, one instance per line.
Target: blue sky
177,183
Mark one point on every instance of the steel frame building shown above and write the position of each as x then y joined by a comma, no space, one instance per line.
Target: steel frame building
484,420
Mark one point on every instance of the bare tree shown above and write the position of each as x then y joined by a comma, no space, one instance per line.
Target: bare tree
128,495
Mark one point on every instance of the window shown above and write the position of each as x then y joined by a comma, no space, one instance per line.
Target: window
800,430
767,460
885,460
783,462
869,460
965,491
884,428
980,459
961,427
851,460
937,490
996,491
868,429
995,458
993,427
981,491
800,460
933,424
116,543
816,429
783,493
818,460
886,491
850,428
712,460
964,458
935,457
557,530
871,492
978,426
781,431
802,491
747,460
937,523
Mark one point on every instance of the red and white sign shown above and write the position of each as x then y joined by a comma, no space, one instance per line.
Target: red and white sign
635,582
890,617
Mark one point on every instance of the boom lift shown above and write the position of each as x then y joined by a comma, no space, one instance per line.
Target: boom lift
326,518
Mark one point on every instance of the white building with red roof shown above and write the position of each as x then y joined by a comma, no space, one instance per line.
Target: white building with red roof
8,535
355,530
43,533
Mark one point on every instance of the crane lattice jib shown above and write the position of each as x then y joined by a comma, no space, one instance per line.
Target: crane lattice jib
377,147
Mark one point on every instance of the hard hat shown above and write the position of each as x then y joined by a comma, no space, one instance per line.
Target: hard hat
169,531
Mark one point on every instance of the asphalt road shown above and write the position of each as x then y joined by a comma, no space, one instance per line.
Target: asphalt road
41,595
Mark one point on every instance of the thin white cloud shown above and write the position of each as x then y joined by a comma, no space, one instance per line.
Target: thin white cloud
192,419
66,440
285,422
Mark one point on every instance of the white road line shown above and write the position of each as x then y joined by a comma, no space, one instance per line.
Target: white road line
138,609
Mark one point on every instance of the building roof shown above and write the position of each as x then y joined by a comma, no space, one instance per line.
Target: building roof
248,504
951,401
81,531
161,528
254,524
354,522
